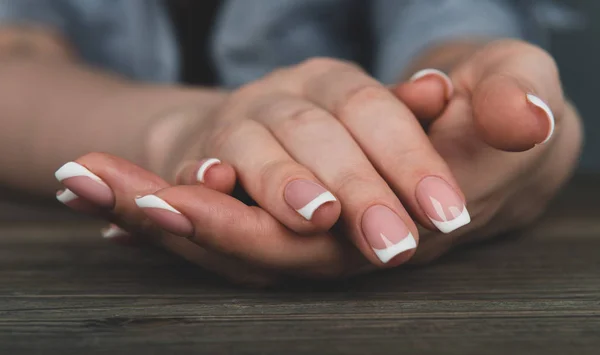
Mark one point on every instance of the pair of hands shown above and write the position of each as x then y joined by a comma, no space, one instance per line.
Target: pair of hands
338,168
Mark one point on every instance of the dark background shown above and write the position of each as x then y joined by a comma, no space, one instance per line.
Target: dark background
578,56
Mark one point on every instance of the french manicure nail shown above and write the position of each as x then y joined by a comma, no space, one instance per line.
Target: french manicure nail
204,168
65,196
113,231
547,112
449,87
306,197
442,205
386,233
164,215
86,184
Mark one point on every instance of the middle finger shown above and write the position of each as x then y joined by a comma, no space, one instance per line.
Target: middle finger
395,143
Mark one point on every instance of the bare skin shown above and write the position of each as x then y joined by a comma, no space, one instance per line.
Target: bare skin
164,130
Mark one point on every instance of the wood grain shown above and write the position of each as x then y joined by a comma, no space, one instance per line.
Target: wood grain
63,290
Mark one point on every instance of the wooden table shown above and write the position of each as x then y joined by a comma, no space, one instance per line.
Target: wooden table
64,290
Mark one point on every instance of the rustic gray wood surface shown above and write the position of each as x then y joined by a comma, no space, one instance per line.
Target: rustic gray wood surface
63,290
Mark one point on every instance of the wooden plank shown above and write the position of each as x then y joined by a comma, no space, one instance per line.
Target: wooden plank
65,290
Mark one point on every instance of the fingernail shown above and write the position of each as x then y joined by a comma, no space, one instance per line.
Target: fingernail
65,196
546,112
204,168
164,215
443,206
112,232
86,184
449,87
386,233
306,197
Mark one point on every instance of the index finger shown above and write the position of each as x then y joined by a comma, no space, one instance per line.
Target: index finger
222,223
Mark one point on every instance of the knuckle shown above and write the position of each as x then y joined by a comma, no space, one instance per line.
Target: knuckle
95,157
317,64
524,50
359,97
351,181
225,133
419,155
300,118
542,57
246,92
277,74
276,173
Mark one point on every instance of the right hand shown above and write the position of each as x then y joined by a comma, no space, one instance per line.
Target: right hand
323,130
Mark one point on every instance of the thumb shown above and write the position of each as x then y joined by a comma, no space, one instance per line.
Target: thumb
516,96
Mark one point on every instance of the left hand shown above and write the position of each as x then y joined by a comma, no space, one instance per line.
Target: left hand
505,97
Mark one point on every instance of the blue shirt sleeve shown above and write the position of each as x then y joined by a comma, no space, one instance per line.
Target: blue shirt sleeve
131,37
403,29
254,37
32,12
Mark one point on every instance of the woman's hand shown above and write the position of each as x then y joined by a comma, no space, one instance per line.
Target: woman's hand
503,98
322,140
245,244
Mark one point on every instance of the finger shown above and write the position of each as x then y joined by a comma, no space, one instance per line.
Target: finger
109,183
71,200
396,145
105,186
211,172
314,138
516,94
112,232
93,173
281,186
426,93
220,222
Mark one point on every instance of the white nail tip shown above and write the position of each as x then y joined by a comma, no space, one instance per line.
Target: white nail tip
421,73
541,104
72,169
151,201
204,167
448,226
392,250
66,196
113,232
310,208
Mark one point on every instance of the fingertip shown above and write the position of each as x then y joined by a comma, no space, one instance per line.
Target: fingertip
398,254
401,258
544,114
426,97
389,240
439,76
326,216
210,172
221,178
509,119
317,206
77,203
204,167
